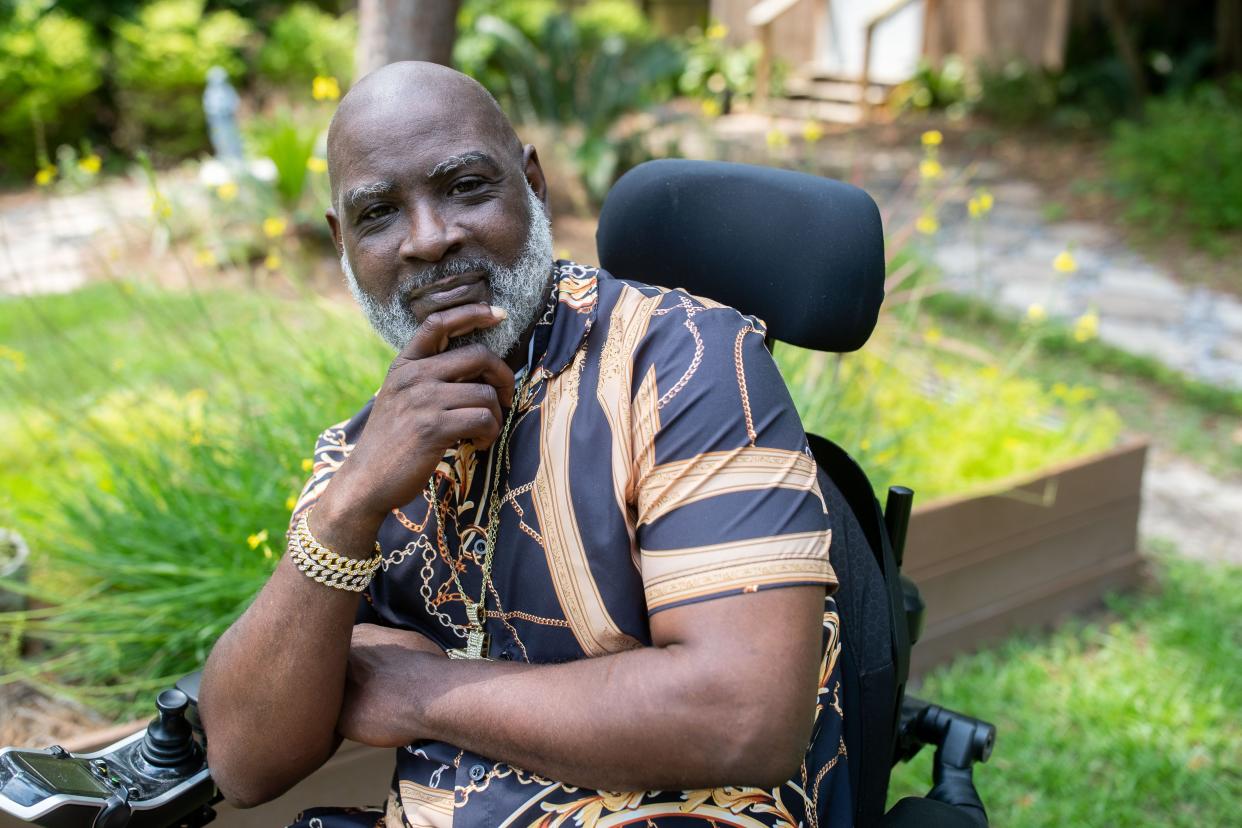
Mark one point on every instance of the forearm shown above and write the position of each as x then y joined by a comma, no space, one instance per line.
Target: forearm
273,685
645,719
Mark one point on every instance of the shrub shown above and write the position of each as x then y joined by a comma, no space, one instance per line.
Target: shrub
1181,166
49,67
153,485
713,68
289,141
162,58
560,77
305,42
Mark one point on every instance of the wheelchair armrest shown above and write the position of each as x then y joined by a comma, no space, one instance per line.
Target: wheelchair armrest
920,812
960,742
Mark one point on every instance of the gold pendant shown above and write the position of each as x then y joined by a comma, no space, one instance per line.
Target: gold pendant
478,642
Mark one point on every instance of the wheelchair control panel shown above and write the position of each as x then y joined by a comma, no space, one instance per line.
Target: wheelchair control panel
156,777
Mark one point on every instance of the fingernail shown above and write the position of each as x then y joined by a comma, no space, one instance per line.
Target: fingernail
499,313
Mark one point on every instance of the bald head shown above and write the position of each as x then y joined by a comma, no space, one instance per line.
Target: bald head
425,96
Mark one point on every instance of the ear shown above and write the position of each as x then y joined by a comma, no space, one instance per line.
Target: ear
534,173
334,225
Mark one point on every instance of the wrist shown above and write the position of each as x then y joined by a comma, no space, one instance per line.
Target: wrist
344,526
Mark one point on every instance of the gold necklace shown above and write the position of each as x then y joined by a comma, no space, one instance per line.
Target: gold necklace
477,640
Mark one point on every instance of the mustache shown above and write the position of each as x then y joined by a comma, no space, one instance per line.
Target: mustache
445,270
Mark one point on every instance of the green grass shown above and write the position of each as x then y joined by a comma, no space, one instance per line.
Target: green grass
1131,719
151,434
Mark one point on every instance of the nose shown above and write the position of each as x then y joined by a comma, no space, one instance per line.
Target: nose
430,237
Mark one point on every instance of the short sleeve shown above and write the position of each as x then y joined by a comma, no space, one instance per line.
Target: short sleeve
331,449
725,495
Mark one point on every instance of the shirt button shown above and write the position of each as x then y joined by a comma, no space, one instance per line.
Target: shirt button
477,773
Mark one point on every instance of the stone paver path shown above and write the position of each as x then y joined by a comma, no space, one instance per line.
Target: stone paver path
1006,259
48,243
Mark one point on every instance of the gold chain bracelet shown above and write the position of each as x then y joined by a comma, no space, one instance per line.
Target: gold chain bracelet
324,566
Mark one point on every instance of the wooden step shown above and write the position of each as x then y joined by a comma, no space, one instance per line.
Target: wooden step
835,90
808,109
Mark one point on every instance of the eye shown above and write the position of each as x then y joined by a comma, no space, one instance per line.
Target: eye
465,185
377,211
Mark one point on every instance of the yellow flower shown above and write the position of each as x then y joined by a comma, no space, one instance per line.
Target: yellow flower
272,262
197,396
1036,313
932,138
325,88
717,31
161,208
256,539
927,224
290,502
90,164
864,444
1064,262
980,205
196,439
46,175
274,226
307,464
14,357
316,164
205,258
812,132
711,107
930,169
227,191
932,336
1087,326
776,138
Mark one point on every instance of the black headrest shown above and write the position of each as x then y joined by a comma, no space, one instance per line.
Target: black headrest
803,253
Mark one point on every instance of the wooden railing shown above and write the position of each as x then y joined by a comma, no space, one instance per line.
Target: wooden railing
762,16
864,77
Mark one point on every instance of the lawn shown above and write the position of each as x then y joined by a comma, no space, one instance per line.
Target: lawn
1129,719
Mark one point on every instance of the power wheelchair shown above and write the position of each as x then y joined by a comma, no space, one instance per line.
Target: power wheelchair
805,254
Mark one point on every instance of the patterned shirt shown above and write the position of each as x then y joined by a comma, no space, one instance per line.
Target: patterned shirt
655,460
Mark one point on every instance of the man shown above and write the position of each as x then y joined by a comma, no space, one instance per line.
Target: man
593,496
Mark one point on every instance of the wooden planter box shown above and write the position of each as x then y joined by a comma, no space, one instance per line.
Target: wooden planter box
1039,548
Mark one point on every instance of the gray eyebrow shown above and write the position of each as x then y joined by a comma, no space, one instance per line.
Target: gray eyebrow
350,198
456,161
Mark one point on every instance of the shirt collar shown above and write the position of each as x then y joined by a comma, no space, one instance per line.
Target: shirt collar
567,318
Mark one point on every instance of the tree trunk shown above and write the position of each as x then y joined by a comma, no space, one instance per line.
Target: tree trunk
392,30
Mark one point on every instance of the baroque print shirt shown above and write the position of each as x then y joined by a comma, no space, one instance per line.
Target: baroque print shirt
655,460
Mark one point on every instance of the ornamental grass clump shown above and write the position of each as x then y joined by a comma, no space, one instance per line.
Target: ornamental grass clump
156,436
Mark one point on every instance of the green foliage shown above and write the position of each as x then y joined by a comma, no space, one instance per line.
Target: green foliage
1130,720
145,481
713,67
1016,93
948,86
941,426
305,42
1181,166
49,67
289,141
562,77
161,63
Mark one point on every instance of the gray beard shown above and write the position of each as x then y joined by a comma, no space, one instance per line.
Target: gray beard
520,288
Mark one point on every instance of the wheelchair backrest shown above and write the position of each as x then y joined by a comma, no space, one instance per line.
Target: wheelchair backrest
806,255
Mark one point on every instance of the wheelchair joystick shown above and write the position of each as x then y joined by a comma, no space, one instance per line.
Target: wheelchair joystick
169,743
